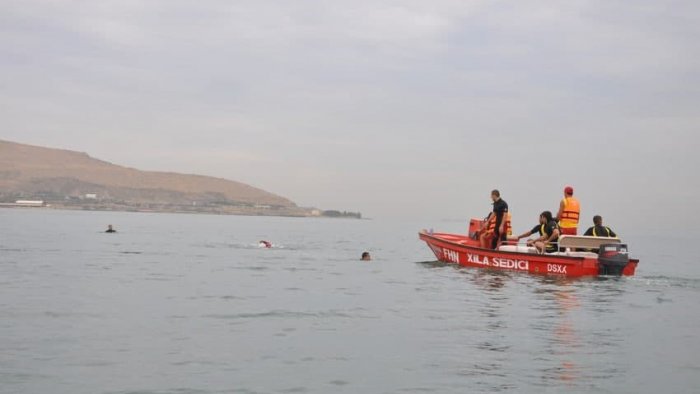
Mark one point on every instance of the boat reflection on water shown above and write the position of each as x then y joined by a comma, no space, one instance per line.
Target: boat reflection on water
556,331
490,281
565,340
493,339
580,350
487,280
535,331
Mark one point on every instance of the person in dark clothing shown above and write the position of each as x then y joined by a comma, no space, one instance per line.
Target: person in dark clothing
548,231
110,229
496,220
598,230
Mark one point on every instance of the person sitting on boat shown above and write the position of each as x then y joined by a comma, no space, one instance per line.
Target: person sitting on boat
496,230
598,230
548,231
569,211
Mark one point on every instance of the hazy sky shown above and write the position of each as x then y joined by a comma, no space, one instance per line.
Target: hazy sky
393,108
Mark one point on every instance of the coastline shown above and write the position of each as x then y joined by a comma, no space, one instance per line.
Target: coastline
288,213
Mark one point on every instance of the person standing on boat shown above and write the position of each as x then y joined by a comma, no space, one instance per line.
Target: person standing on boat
548,231
497,218
598,230
569,212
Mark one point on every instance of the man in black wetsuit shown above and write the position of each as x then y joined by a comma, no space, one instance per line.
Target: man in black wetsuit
598,230
110,229
499,215
548,231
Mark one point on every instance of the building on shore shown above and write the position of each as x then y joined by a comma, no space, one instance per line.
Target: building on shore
24,203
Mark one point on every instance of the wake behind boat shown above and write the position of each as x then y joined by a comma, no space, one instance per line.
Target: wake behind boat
574,259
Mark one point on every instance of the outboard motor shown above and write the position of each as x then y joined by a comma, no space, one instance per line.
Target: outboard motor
612,259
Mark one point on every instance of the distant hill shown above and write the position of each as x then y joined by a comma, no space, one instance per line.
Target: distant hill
75,180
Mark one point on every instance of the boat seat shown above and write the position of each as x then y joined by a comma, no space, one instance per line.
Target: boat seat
517,248
585,242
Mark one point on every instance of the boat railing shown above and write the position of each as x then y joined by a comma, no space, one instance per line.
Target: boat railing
569,243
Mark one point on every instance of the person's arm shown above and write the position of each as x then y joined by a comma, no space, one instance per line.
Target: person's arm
555,235
504,219
589,232
612,233
534,230
523,235
531,242
541,237
502,225
562,205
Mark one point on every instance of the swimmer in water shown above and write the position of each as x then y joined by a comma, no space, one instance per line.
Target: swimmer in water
366,256
265,244
110,229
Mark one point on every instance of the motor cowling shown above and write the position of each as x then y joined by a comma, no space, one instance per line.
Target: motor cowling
612,259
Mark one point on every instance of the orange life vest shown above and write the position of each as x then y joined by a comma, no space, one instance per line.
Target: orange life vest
492,224
570,214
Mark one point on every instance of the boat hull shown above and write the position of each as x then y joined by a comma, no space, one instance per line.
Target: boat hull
462,250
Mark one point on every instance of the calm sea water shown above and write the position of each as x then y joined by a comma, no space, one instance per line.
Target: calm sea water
190,304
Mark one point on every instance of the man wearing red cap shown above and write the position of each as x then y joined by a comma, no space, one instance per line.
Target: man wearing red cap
569,212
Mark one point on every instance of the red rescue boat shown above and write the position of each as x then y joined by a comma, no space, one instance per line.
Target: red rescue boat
612,258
